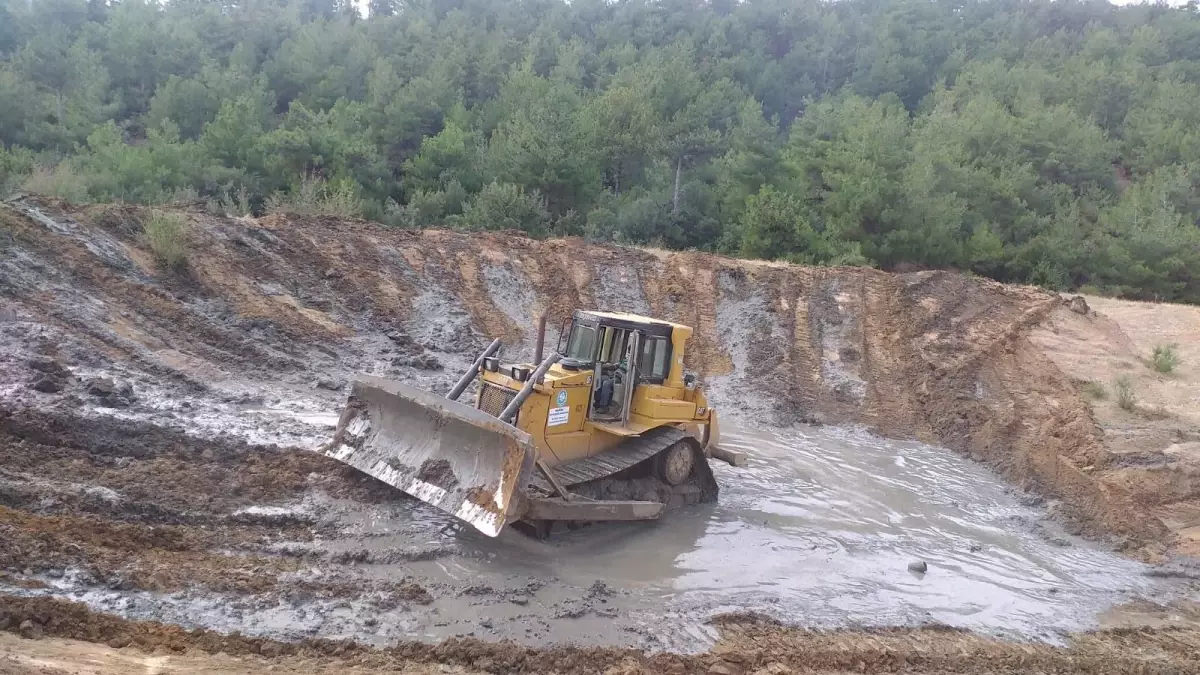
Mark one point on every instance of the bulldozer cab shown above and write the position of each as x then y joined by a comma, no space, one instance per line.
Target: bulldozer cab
623,351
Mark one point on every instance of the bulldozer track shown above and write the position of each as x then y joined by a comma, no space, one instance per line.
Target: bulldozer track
630,453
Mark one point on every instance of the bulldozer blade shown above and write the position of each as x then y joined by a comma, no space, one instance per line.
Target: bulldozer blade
447,454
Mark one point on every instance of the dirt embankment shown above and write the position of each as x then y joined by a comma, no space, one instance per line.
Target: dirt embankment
267,308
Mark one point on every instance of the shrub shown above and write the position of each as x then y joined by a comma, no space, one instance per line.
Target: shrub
504,206
1126,398
167,237
1094,390
314,196
58,181
15,167
427,208
1165,358
231,202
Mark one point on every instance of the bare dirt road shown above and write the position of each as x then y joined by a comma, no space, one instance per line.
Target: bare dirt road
156,467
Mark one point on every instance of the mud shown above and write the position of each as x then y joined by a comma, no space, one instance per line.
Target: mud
818,529
748,645
195,501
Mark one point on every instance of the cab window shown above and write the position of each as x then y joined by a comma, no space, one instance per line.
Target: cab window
654,362
582,344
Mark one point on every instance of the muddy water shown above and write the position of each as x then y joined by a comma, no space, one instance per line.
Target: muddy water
818,529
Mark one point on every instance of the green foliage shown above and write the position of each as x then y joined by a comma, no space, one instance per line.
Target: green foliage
60,181
231,201
15,167
448,156
428,208
312,195
504,206
1126,398
166,235
1031,142
1165,358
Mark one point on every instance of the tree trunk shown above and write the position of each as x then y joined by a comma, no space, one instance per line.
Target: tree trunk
58,107
678,173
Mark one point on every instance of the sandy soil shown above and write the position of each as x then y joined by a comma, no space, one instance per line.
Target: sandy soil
155,427
1153,445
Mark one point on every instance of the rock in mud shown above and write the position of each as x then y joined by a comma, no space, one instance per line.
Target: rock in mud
420,362
1079,305
101,386
31,630
330,385
1032,500
918,566
49,366
109,393
398,336
48,385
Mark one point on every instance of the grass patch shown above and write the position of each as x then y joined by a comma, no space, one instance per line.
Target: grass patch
1156,413
314,196
1165,358
1126,398
58,181
167,237
232,203
1094,390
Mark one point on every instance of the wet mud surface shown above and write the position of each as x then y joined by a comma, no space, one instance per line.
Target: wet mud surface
748,644
156,461
817,530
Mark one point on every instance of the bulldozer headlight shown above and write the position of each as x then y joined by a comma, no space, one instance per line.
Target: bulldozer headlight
701,411
491,363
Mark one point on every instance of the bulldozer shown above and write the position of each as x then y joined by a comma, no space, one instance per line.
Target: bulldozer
608,427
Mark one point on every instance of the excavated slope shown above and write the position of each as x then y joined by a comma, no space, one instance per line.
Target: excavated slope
278,303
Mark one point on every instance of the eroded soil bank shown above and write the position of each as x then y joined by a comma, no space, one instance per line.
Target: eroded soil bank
155,426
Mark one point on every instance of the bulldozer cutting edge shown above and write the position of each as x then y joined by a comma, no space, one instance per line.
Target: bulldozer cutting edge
447,454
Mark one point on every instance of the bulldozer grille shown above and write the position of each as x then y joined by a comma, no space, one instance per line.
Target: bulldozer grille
493,400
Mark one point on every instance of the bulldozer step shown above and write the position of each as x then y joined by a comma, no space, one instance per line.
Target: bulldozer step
589,510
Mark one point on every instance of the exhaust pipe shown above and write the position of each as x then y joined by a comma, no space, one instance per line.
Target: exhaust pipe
465,380
539,350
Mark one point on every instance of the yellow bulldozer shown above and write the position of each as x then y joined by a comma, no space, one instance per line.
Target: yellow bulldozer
609,427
